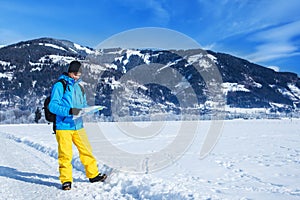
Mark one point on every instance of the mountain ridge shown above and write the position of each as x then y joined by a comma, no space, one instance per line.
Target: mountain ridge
29,68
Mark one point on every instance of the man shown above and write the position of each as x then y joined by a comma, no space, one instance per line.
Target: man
65,103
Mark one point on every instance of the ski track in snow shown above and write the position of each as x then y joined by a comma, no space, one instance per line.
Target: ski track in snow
251,161
120,186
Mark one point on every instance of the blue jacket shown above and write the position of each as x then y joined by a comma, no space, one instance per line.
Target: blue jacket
61,103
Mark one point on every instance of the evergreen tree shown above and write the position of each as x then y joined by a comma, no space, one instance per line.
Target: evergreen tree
38,115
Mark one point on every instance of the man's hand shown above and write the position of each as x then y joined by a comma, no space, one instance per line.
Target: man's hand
74,111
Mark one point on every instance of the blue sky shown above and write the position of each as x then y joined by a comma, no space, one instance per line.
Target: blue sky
262,31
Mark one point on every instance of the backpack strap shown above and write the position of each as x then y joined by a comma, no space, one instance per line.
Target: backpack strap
64,83
82,89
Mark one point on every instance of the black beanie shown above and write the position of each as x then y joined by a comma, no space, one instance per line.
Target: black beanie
75,66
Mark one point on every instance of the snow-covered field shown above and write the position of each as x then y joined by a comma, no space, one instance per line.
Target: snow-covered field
253,159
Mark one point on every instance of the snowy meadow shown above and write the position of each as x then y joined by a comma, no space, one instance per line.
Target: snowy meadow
252,159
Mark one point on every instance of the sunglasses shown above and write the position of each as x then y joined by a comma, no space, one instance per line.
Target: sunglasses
77,73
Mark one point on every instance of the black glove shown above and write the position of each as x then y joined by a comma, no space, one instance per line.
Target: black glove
74,111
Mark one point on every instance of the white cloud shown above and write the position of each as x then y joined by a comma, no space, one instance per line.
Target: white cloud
161,15
276,43
275,68
234,18
281,33
159,11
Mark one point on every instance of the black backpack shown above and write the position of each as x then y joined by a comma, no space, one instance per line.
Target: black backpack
51,117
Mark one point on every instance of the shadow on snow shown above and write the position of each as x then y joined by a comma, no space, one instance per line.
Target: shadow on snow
30,177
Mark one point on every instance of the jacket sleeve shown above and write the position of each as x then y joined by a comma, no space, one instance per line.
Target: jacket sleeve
56,105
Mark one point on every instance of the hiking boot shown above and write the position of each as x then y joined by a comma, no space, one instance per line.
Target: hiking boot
66,186
99,178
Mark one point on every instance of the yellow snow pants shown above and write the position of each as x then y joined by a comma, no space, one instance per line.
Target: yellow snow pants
65,138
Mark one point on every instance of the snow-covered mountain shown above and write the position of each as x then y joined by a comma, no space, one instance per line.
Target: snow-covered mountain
145,84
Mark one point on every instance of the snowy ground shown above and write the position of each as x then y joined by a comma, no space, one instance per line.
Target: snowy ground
254,159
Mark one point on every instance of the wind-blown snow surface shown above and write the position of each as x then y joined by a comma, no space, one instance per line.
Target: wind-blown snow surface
254,159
